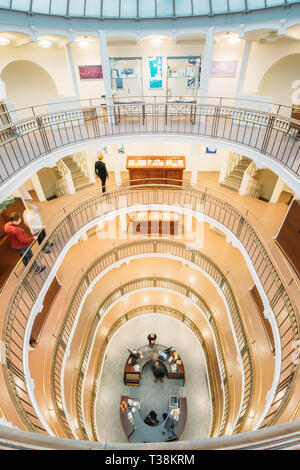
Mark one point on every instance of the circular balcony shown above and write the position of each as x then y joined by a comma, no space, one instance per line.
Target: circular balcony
40,139
22,300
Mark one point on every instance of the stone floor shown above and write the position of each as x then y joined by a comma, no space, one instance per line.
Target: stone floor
153,395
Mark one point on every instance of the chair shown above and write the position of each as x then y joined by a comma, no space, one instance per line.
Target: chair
153,415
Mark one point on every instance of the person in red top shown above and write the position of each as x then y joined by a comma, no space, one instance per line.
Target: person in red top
20,241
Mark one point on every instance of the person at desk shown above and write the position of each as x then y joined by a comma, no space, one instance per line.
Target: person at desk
158,371
151,338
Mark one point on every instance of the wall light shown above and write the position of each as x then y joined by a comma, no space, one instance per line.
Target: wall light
4,41
156,41
45,43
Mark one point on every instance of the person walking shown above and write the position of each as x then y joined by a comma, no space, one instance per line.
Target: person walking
101,171
33,220
20,241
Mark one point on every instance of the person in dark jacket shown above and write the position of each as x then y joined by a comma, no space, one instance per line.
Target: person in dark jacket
101,171
20,241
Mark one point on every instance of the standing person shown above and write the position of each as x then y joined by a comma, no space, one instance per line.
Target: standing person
151,338
101,171
33,220
20,241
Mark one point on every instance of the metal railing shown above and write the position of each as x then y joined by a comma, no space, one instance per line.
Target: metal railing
272,135
174,249
19,299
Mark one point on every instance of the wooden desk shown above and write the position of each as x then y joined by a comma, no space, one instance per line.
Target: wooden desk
154,223
137,430
131,377
179,427
155,170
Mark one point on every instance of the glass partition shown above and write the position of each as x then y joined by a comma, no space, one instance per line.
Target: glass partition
126,76
183,75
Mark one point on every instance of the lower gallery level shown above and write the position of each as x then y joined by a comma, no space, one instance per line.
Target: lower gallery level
154,269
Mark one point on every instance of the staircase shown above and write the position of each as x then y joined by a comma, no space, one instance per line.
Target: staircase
79,179
234,179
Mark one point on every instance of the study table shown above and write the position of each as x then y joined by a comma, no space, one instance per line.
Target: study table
137,430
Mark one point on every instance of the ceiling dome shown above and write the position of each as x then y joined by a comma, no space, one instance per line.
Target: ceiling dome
138,9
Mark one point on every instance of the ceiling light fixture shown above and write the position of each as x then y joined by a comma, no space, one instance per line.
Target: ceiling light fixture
45,43
84,43
233,39
4,41
156,41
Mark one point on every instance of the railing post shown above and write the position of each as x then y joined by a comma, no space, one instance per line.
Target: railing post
268,132
43,134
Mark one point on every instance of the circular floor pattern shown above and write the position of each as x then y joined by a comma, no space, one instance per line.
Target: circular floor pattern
153,395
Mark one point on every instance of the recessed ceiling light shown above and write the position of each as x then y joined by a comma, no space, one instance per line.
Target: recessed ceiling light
45,43
233,39
156,41
4,41
84,43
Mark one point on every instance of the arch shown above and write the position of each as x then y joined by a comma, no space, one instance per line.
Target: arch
35,87
278,80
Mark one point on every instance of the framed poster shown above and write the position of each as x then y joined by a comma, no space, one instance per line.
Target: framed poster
155,69
90,72
223,68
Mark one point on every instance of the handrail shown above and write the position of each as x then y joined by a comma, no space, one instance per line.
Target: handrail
29,286
273,136
282,436
90,102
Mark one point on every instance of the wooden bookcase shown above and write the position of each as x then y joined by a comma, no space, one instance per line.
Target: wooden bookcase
156,169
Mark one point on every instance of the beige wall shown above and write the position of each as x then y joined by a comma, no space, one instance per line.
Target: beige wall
262,56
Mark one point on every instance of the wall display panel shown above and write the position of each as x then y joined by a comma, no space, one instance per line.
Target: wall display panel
90,72
4,3
223,68
126,76
155,72
183,75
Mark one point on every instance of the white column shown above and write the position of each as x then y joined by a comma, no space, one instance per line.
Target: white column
72,69
105,63
3,96
280,184
205,72
243,68
38,187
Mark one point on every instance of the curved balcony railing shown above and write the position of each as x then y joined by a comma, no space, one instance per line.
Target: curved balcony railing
19,298
272,135
154,248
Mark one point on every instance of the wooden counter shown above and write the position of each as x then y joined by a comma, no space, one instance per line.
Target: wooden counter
154,223
156,169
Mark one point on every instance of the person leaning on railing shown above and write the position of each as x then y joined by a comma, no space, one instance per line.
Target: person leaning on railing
20,241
